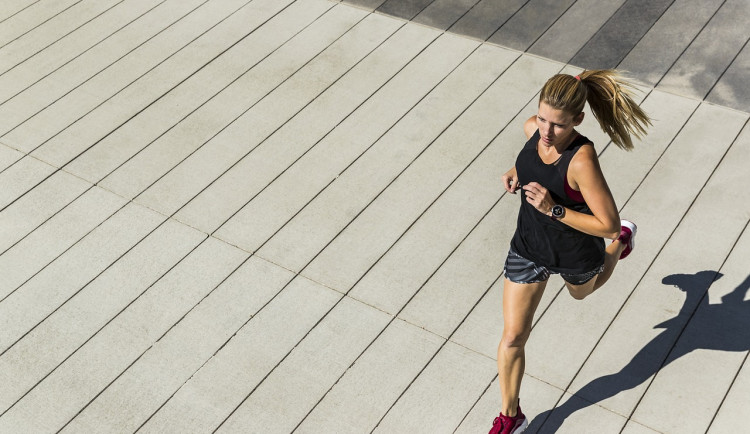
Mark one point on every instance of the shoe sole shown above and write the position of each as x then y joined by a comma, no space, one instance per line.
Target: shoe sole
522,428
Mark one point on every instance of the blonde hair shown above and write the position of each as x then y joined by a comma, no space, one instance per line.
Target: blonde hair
608,95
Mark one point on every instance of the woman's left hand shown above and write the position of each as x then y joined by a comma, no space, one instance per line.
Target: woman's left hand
538,197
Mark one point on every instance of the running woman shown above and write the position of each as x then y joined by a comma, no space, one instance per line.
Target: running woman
566,212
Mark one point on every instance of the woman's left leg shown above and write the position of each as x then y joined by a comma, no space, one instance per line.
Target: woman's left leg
611,257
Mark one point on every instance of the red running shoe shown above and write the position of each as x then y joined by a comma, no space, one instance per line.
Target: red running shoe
627,237
510,425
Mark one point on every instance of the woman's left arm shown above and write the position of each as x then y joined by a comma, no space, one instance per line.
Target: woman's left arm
587,176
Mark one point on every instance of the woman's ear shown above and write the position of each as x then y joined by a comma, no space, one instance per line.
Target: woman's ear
578,119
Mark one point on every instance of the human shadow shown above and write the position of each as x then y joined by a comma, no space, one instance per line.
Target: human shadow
724,326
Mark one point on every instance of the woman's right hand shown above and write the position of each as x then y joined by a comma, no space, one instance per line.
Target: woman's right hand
510,181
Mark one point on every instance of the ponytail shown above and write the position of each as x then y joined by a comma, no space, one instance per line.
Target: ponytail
608,95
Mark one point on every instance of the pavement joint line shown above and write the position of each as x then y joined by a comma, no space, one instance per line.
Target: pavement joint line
311,260
82,52
697,34
171,55
541,34
84,286
508,20
149,104
64,36
58,256
38,25
729,65
169,25
263,99
645,32
19,11
448,29
317,142
305,152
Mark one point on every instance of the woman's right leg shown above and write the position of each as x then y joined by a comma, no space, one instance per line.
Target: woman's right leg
520,300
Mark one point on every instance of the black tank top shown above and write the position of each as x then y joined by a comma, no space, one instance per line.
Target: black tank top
542,240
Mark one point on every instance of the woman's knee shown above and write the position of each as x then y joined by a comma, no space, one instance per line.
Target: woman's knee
514,338
579,293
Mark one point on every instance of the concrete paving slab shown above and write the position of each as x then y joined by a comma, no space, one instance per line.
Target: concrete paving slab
635,428
21,177
66,49
705,60
8,156
30,304
454,289
35,207
442,14
111,113
270,210
156,62
374,382
529,23
620,33
240,85
69,327
361,183
53,30
146,385
227,378
10,8
20,103
730,90
660,48
729,417
26,19
369,5
384,222
399,273
559,43
60,396
625,170
55,236
442,394
297,90
593,417
486,17
254,171
301,380
406,9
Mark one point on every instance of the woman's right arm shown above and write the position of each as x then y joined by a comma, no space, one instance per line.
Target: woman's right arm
510,181
510,178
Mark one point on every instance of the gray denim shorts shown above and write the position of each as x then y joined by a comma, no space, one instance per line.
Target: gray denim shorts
521,270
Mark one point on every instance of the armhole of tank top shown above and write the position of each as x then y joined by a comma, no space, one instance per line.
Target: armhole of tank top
570,191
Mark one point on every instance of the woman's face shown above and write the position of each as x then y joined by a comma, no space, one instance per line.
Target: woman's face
555,126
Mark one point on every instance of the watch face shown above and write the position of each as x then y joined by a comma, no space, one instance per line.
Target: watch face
557,211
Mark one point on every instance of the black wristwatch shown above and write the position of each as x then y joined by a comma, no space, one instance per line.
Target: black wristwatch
558,212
